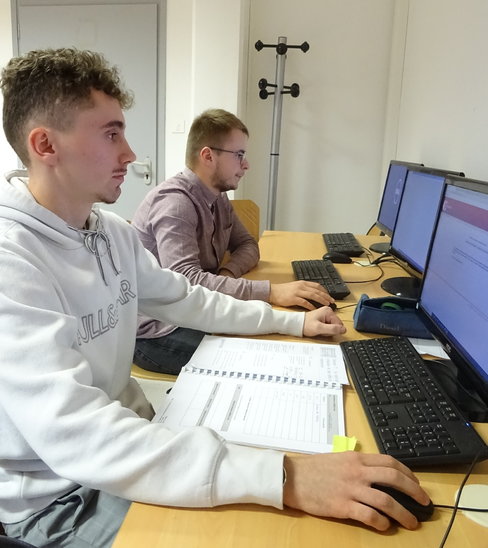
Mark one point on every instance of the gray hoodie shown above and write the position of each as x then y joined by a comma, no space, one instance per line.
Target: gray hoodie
69,413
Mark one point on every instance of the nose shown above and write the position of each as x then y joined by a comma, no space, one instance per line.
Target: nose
245,163
127,153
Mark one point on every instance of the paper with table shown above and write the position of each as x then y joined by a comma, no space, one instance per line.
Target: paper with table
265,393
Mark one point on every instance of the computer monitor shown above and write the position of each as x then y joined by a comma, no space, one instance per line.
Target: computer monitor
390,201
453,301
414,225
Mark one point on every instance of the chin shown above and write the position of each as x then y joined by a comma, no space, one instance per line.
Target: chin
108,200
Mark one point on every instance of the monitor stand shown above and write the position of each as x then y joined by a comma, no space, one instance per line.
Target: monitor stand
463,394
380,247
402,286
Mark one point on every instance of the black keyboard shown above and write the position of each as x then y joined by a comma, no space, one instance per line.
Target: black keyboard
411,416
343,242
323,272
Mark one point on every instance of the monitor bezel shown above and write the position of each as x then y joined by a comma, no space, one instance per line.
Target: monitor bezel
468,375
386,230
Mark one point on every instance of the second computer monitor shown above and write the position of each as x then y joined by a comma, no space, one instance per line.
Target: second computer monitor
390,201
414,225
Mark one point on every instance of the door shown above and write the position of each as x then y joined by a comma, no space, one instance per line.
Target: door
127,34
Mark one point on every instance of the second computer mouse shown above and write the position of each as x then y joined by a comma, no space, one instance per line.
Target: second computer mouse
337,257
421,512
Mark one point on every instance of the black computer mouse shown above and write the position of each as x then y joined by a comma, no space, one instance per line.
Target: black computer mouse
336,257
421,512
332,306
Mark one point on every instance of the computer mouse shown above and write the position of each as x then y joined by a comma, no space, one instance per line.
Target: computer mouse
421,512
336,257
332,306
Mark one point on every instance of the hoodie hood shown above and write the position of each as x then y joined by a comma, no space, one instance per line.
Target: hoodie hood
19,206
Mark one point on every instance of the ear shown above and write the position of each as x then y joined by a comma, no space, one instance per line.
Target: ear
41,146
206,155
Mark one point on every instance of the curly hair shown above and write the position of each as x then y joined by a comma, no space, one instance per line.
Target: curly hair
210,128
47,86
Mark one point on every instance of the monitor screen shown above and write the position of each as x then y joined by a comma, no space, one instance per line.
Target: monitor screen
416,218
454,300
392,194
415,222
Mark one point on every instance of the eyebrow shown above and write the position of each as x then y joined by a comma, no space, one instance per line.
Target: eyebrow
114,123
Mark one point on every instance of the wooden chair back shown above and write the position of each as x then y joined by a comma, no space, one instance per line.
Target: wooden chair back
248,213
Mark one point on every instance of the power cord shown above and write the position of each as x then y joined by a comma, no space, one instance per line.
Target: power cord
371,263
456,506
385,258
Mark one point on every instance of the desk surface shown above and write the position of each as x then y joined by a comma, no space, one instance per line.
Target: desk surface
247,525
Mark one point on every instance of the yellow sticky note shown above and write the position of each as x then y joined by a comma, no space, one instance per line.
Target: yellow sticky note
343,443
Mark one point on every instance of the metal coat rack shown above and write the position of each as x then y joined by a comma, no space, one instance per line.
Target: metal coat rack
279,90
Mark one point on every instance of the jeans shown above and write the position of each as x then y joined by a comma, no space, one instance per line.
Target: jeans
167,354
83,518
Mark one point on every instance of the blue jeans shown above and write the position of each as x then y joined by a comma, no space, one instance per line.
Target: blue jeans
83,518
167,354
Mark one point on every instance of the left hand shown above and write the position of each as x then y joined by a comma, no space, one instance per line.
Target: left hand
322,321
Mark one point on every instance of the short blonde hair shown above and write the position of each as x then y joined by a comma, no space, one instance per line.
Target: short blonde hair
210,129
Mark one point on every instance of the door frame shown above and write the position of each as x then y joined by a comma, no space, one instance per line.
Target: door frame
161,59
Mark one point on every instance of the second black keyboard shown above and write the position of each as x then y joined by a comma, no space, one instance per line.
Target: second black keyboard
343,242
411,416
323,272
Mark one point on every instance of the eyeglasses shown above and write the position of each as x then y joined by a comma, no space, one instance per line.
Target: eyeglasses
239,154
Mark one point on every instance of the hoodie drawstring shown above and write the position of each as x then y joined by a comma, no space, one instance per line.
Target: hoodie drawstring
92,238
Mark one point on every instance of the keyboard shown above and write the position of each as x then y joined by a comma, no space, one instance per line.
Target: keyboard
323,272
411,416
343,242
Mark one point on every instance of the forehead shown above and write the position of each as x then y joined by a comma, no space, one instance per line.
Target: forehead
104,111
236,139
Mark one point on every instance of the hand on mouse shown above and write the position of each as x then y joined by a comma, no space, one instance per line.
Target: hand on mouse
339,485
299,293
322,321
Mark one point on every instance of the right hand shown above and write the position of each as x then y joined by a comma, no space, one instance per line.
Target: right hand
322,322
338,485
297,294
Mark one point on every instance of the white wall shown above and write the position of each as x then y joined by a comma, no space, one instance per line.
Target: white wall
206,66
331,155
8,158
443,116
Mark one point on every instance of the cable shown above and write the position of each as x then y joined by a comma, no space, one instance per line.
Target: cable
366,281
458,498
345,306
385,258
371,228
368,253
371,263
464,508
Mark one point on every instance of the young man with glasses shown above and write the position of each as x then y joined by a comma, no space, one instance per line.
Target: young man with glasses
188,223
